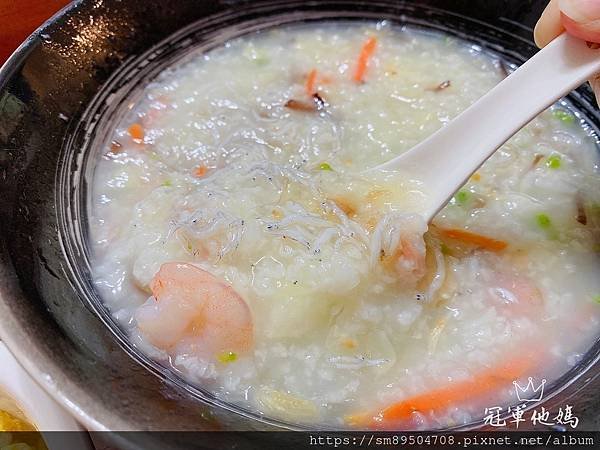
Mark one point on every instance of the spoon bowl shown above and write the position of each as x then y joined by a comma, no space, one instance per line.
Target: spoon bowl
445,161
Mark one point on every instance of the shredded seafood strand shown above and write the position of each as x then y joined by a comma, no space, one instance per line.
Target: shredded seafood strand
204,225
439,277
326,235
355,362
390,229
307,219
350,227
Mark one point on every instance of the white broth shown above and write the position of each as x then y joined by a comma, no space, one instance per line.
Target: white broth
238,244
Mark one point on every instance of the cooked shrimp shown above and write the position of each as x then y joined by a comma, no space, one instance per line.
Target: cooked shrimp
191,305
398,239
407,261
515,293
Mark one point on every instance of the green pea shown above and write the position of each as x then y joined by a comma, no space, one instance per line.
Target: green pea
553,162
227,357
563,116
543,221
462,197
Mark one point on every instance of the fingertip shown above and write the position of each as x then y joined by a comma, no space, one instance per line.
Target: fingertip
540,36
549,26
581,11
588,31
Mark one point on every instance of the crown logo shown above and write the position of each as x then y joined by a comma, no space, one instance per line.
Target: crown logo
530,393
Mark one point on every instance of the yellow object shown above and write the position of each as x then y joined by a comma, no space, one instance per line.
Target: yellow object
227,357
286,405
16,432
10,422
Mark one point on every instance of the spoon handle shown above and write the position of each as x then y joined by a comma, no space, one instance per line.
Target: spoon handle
445,160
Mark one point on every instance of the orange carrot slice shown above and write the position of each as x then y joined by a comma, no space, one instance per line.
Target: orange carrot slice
366,52
475,239
311,82
136,131
443,398
201,171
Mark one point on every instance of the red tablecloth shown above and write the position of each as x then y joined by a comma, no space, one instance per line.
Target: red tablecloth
18,18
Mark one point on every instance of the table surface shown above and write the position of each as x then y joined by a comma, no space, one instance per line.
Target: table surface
19,18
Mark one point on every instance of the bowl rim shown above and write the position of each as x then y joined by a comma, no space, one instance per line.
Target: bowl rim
37,405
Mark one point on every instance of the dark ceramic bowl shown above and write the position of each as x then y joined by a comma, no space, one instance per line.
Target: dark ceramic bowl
54,110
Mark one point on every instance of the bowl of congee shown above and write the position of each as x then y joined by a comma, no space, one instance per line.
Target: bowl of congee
193,239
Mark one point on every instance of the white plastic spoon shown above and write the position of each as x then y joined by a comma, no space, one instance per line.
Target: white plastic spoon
445,160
